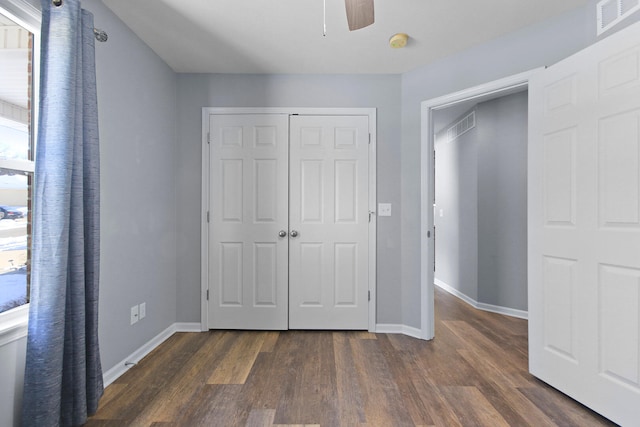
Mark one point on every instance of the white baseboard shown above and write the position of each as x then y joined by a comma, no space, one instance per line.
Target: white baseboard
188,327
456,293
480,305
114,373
521,314
387,328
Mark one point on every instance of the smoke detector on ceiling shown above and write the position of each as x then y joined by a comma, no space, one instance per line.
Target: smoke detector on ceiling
398,41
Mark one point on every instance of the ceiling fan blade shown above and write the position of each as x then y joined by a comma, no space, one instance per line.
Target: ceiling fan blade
359,13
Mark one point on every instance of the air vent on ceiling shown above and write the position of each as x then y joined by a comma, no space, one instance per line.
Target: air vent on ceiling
462,126
611,12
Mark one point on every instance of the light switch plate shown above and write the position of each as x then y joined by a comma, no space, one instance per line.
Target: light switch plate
384,209
134,314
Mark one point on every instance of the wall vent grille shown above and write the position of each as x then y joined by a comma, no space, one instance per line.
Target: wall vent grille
611,12
461,127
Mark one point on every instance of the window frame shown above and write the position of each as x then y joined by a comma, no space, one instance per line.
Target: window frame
26,13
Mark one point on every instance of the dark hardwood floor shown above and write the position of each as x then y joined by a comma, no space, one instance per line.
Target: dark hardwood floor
474,373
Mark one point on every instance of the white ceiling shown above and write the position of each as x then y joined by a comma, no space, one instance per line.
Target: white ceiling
286,36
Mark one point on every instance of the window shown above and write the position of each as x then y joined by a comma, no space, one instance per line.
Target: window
18,62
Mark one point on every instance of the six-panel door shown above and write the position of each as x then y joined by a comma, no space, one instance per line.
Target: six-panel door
584,226
288,237
248,260
328,267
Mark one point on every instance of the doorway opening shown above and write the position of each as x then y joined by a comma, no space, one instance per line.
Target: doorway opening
477,239
480,209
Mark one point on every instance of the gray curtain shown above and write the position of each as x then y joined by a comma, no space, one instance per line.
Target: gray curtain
63,375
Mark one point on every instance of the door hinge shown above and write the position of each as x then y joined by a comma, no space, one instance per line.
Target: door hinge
208,137
208,217
371,213
369,138
207,294
368,295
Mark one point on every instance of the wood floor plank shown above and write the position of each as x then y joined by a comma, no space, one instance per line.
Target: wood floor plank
363,335
350,402
402,377
509,362
178,343
270,340
514,407
264,384
215,406
436,364
563,411
296,425
311,395
237,363
261,418
500,389
473,408
103,423
493,369
190,378
271,376
110,393
151,377
380,392
474,373
440,409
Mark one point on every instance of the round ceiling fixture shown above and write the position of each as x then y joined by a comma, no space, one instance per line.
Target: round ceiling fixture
398,40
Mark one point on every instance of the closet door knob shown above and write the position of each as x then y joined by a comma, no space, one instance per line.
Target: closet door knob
282,233
293,233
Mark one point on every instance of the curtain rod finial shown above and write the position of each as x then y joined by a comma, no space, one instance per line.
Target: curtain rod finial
101,36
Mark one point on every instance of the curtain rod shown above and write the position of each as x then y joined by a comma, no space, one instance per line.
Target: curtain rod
100,35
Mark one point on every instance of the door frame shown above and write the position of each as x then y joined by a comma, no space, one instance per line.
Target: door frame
427,190
205,204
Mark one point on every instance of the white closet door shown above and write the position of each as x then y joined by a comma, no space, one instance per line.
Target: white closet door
249,208
328,243
584,226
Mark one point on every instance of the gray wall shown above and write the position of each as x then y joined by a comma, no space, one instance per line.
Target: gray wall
456,180
222,90
502,201
136,103
150,254
137,108
523,50
481,190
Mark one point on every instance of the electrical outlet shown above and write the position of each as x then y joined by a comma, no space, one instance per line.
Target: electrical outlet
142,310
134,314
384,209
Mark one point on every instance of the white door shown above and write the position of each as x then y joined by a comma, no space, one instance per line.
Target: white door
248,258
584,226
329,219
288,240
